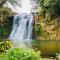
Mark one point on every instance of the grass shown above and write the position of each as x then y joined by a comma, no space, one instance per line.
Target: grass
3,57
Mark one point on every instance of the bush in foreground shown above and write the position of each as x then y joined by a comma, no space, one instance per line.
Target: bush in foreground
4,46
23,54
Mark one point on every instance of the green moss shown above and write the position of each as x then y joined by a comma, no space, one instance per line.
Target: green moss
39,29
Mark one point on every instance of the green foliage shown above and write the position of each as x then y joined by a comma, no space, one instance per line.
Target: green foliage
4,22
5,11
4,31
3,56
23,54
5,46
2,2
51,6
40,2
13,2
39,29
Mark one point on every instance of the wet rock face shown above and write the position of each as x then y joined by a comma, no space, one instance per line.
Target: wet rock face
5,26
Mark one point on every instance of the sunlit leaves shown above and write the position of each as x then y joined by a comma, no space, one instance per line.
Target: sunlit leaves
23,54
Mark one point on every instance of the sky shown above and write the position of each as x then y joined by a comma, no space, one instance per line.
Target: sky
26,6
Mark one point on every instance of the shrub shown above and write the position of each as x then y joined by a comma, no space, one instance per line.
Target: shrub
5,11
5,46
39,29
23,54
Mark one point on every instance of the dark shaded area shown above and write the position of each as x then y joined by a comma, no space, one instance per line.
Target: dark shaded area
10,19
5,27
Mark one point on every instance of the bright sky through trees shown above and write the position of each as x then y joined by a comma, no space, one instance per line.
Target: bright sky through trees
25,7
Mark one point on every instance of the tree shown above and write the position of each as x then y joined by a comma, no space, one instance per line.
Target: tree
51,6
2,2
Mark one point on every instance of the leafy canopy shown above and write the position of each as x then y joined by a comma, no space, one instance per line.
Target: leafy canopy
51,6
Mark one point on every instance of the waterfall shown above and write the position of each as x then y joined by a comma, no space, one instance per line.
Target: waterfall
22,30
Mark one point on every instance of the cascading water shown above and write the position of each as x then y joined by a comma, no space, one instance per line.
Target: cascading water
21,33
22,30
